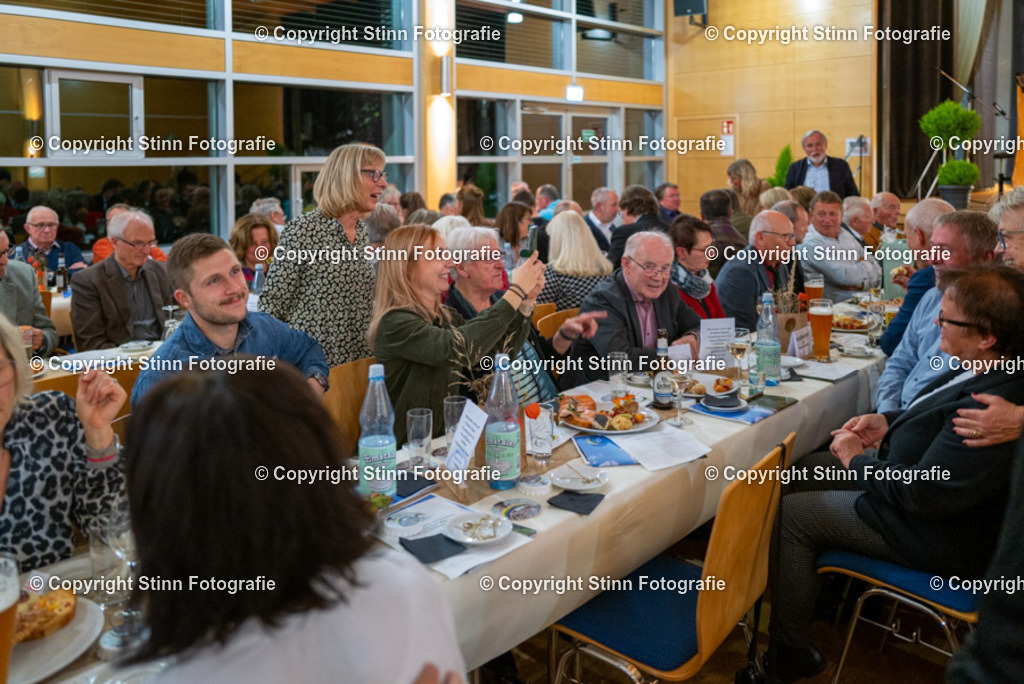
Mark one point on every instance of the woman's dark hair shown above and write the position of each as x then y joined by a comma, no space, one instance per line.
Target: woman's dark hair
684,229
508,220
638,201
411,201
990,297
472,199
207,462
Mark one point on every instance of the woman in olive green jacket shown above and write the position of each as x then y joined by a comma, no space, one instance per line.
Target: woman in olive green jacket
429,351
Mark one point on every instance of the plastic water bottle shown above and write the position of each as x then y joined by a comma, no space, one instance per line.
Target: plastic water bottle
501,434
259,279
769,352
377,472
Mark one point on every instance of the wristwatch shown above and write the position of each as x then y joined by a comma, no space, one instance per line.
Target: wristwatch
321,380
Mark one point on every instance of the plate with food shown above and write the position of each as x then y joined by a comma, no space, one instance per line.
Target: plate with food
855,323
578,477
897,302
477,529
50,632
694,389
724,395
622,416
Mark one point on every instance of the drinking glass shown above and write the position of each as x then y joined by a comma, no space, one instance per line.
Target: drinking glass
820,315
10,591
116,531
618,366
814,286
738,348
679,383
453,408
419,424
170,325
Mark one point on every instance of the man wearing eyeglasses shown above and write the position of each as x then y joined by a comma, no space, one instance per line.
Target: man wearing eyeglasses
762,266
41,224
21,302
120,300
639,302
959,240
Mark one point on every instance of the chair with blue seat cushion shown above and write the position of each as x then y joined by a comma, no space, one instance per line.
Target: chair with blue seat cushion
652,627
906,587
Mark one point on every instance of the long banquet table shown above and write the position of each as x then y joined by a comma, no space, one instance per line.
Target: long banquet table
642,514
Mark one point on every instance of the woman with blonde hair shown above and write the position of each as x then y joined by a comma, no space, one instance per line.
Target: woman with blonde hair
249,233
332,302
428,350
743,179
472,202
577,265
769,198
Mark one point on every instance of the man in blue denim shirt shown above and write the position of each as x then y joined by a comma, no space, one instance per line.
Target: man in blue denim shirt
208,281
960,239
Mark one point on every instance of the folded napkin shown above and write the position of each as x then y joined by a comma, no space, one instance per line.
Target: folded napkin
432,549
577,502
793,376
409,486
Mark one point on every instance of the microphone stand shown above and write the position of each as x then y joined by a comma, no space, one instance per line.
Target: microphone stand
859,149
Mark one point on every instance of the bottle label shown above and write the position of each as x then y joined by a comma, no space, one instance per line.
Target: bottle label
502,451
377,470
769,362
663,389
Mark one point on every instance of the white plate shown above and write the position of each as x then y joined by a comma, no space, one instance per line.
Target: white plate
638,379
39,374
792,361
650,420
573,478
502,528
857,352
861,316
726,409
137,346
34,661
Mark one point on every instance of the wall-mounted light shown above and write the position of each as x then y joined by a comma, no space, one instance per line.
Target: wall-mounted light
574,92
446,76
598,34
514,18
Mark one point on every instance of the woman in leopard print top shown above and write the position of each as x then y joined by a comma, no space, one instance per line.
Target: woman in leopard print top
58,470
331,302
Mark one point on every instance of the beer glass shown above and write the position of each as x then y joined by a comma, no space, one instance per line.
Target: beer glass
814,286
820,315
10,591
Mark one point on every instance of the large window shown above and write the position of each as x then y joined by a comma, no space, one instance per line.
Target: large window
369,23
191,13
524,39
313,121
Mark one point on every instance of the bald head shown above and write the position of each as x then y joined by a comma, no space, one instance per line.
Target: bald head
772,235
41,224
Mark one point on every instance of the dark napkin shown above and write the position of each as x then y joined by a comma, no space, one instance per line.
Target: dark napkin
432,549
577,502
407,486
793,376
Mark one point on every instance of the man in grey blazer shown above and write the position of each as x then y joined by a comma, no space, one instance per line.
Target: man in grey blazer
21,302
120,299
639,302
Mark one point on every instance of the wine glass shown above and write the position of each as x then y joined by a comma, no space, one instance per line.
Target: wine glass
453,408
679,384
738,348
115,529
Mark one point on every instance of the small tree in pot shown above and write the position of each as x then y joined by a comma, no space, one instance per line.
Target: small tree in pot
947,126
956,180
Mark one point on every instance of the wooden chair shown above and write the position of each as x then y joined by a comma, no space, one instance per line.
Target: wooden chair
550,324
345,397
542,310
669,635
47,301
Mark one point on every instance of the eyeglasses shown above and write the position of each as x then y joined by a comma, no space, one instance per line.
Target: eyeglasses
135,244
651,269
785,236
9,252
375,175
960,324
1003,234
45,226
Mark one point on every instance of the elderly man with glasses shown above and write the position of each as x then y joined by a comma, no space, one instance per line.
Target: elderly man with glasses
42,224
639,302
762,266
121,299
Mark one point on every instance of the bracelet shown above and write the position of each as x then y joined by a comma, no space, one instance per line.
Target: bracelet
102,458
564,336
515,288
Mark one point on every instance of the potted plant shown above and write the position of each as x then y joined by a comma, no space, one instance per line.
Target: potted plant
781,168
947,121
956,180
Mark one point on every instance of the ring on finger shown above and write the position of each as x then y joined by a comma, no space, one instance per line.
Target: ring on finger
976,434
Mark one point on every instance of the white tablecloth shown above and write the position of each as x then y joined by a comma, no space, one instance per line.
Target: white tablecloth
642,514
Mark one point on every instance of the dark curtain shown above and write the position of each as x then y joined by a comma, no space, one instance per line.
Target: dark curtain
1018,68
915,86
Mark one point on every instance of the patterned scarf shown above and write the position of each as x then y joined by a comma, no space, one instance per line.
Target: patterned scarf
697,286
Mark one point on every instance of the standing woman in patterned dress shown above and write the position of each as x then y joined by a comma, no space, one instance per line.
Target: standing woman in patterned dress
331,297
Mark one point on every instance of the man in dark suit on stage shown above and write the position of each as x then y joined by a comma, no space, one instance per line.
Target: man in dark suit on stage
818,170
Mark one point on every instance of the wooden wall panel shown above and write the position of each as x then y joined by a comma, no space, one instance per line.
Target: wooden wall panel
97,43
303,62
777,92
472,77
